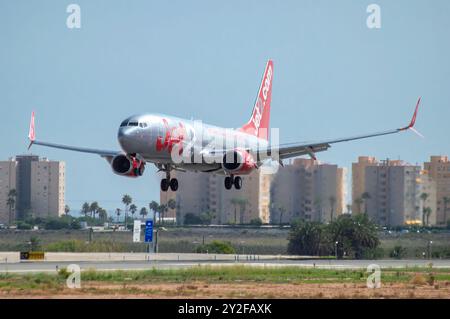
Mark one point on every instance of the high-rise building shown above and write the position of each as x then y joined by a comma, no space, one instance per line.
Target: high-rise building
39,184
200,193
391,192
359,180
251,202
24,183
308,189
438,168
47,188
7,183
427,191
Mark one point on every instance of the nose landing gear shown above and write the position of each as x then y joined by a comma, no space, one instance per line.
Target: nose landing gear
232,180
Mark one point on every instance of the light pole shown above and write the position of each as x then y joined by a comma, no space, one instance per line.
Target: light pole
429,249
156,238
242,246
335,249
196,246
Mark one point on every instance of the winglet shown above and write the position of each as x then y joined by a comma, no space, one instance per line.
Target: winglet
413,119
31,133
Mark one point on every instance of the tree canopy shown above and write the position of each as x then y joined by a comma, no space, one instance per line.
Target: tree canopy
352,236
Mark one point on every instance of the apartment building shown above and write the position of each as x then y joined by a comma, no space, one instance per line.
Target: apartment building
205,193
39,185
307,189
7,183
391,192
438,169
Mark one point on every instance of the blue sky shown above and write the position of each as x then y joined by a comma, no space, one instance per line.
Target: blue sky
333,76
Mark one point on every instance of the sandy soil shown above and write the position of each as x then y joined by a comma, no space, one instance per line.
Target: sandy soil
239,290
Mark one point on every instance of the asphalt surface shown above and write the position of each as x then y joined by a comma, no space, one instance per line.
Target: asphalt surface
51,266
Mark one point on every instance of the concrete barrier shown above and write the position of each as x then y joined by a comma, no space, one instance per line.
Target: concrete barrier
9,257
14,257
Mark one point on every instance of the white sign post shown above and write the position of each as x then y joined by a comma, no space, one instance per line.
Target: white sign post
137,231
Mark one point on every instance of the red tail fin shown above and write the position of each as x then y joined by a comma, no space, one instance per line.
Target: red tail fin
258,124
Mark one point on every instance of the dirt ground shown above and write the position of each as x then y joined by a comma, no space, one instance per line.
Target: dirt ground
90,290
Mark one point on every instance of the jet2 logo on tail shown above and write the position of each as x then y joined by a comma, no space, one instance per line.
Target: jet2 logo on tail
260,104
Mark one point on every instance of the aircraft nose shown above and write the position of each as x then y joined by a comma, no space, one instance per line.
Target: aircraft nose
124,137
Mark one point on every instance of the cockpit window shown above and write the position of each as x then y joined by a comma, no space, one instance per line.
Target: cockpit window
124,123
133,124
143,124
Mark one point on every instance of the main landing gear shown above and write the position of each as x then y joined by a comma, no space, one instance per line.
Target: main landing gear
232,180
169,182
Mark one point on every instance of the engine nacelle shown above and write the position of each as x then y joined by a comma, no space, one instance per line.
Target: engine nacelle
238,162
127,166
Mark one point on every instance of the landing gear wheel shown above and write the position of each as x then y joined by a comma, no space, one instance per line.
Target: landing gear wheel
228,182
164,184
237,182
174,184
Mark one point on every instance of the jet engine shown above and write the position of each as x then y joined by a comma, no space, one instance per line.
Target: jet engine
238,162
127,166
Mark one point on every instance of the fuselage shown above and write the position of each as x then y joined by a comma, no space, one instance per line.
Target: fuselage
188,144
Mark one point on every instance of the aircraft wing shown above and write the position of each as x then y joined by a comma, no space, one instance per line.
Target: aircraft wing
32,136
297,149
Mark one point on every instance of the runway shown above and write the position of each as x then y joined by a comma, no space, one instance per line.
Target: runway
53,266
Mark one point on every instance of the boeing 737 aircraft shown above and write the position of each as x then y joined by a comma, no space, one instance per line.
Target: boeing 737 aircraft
160,139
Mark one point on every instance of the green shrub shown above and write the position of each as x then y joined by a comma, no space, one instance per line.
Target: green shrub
256,222
192,219
23,226
217,247
398,252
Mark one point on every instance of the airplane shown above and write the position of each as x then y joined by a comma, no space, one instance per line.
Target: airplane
156,138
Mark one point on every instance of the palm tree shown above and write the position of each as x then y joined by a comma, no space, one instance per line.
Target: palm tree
102,214
235,202
126,200
133,209
428,211
118,210
349,209
358,202
162,209
143,212
365,196
424,197
318,207
154,208
85,209
93,208
171,204
446,201
11,202
281,211
66,209
332,201
242,206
